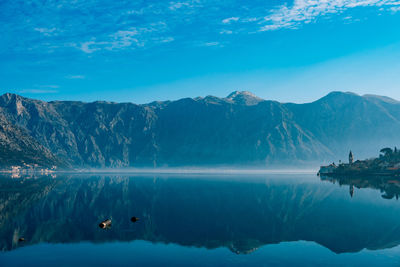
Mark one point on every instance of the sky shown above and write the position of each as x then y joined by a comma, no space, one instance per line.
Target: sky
141,51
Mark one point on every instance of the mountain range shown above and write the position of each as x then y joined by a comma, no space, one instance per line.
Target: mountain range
238,130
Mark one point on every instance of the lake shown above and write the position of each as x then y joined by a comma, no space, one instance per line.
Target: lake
199,220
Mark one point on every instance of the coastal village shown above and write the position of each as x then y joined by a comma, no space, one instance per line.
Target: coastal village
380,173
387,164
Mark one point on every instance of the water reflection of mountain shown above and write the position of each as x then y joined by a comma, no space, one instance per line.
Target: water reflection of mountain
389,186
192,212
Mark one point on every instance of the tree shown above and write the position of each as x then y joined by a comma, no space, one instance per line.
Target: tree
387,151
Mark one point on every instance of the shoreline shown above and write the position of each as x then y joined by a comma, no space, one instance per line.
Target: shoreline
170,171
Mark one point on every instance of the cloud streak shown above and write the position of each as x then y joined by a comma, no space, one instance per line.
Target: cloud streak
37,91
132,37
211,44
307,11
75,77
230,20
47,31
92,26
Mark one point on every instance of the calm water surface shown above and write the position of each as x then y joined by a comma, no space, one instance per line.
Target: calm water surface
203,220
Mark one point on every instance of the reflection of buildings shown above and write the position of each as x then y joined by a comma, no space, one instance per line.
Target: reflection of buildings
351,190
31,170
15,171
387,185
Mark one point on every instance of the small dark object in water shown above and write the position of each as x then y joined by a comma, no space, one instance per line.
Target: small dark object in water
351,190
21,239
105,224
134,219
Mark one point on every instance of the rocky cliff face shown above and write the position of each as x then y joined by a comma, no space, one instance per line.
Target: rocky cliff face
240,129
96,134
17,147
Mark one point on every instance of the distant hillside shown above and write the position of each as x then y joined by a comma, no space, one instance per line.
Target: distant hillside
17,147
240,129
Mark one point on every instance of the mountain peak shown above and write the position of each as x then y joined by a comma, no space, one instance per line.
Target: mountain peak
240,93
339,97
340,94
11,97
8,96
244,97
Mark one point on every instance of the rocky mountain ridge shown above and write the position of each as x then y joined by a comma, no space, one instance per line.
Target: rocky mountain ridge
241,129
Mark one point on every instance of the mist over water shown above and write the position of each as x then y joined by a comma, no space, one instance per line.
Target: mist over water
200,170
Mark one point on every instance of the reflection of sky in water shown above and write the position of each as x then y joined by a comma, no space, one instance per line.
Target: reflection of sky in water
142,253
196,220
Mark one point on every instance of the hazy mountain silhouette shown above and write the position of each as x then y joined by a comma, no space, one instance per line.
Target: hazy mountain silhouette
240,129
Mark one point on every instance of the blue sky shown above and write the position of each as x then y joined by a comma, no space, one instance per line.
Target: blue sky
140,51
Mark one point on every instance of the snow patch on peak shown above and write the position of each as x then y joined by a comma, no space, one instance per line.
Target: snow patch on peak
241,93
244,98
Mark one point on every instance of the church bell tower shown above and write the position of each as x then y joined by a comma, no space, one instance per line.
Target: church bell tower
351,158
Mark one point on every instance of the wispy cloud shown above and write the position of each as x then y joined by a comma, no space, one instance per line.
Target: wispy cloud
132,37
75,77
47,31
306,11
132,25
89,46
211,44
167,39
125,38
190,4
37,91
230,20
50,86
226,32
395,9
177,5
